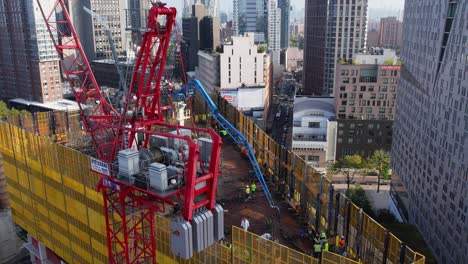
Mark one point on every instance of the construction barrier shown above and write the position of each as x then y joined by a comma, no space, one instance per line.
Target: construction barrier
248,247
53,196
317,200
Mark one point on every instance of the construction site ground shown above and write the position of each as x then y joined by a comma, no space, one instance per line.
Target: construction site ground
285,228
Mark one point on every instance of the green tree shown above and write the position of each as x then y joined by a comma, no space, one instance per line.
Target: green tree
14,112
359,197
380,162
348,165
293,42
4,111
388,61
261,49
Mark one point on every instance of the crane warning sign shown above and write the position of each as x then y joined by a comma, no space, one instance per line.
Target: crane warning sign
100,166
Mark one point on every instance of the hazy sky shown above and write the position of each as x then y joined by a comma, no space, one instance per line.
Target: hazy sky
226,5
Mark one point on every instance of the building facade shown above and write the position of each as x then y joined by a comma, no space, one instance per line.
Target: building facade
249,16
212,6
92,35
29,65
241,64
274,29
136,19
208,70
430,145
390,34
200,31
209,33
334,30
294,58
365,103
285,6
314,130
372,38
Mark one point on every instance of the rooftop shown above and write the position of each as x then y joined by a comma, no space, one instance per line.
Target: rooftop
62,105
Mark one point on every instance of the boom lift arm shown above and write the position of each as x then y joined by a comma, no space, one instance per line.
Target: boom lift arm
188,90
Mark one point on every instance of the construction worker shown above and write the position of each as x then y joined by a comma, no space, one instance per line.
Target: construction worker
317,247
245,224
341,246
324,241
253,188
247,192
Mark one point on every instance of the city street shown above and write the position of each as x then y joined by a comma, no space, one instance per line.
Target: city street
280,121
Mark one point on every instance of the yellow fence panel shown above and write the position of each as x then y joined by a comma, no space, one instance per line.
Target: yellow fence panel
43,123
332,258
251,248
372,241
393,255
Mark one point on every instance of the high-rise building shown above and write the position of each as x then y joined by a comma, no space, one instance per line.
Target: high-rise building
136,19
274,29
365,102
200,32
241,64
372,38
209,33
391,30
91,31
430,145
285,6
333,30
212,6
249,16
29,65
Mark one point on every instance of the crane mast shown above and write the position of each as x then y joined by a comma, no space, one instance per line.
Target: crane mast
129,208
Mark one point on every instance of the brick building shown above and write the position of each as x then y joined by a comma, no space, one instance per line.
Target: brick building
365,104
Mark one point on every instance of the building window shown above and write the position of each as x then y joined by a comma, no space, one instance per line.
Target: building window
392,88
381,96
342,109
314,124
342,88
383,88
385,80
350,140
383,73
370,140
340,140
368,109
313,158
363,88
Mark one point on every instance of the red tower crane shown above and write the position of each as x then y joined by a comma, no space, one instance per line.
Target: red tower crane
129,210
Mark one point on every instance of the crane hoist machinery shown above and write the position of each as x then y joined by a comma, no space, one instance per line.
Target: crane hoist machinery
147,165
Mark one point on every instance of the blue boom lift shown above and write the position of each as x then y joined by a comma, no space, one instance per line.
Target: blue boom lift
189,90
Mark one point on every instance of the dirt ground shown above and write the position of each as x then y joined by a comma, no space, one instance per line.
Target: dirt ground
285,227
